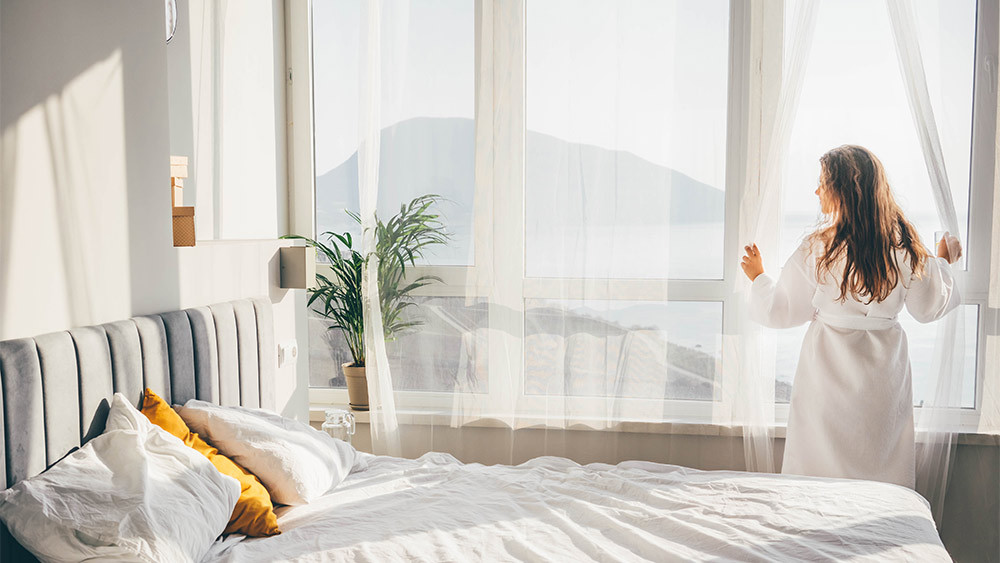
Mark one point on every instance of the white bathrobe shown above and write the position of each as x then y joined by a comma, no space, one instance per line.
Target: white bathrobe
852,401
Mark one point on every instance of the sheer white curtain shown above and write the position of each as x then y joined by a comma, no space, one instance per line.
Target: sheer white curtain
594,292
939,421
602,156
760,220
579,107
376,62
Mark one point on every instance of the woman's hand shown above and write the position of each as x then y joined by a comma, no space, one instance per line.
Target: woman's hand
949,248
752,263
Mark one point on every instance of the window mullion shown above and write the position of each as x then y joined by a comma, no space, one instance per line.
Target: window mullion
754,82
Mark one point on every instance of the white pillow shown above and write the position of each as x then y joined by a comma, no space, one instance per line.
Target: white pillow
296,462
133,493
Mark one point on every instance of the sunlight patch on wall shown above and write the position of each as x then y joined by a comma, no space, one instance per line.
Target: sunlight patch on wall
64,203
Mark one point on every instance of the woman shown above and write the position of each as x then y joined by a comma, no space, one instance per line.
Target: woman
852,403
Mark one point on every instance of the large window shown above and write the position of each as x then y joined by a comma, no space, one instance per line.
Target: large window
594,156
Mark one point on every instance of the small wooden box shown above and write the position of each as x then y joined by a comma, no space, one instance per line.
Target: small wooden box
176,192
178,167
184,226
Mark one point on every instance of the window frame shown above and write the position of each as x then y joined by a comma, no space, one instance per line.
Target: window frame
755,60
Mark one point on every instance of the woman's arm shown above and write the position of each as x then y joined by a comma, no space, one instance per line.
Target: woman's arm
786,302
934,294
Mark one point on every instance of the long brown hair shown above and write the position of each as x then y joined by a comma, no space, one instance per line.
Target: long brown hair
863,226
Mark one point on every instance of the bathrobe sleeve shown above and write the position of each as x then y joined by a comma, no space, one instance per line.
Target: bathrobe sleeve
786,302
934,294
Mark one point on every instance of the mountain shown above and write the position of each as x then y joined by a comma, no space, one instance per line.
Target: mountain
593,186
597,186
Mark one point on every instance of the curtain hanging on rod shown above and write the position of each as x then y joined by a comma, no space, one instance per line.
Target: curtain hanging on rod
939,421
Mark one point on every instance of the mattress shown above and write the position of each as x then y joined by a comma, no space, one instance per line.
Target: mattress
436,508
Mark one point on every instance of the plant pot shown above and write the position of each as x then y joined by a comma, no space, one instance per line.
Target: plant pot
357,386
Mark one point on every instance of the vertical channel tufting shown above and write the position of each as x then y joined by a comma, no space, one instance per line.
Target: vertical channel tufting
24,421
228,349
246,337
126,359
155,367
266,356
55,389
93,358
60,394
22,426
206,354
180,352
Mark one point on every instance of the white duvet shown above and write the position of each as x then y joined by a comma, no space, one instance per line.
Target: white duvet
550,509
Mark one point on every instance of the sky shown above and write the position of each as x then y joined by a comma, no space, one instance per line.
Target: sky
430,49
670,82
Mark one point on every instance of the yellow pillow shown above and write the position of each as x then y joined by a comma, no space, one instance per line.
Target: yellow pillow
254,514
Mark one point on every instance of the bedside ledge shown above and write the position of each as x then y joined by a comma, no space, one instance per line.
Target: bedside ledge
435,417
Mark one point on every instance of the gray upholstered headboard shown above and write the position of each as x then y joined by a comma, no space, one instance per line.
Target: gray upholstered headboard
55,389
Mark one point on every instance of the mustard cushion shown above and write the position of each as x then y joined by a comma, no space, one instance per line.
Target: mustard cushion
254,513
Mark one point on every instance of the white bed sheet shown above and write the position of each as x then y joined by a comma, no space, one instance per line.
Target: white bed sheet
551,509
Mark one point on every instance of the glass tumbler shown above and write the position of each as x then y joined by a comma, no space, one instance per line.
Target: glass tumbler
339,424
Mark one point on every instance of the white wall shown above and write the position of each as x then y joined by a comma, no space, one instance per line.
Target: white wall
249,268
85,220
227,98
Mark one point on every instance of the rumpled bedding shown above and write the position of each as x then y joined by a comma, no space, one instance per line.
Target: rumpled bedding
436,508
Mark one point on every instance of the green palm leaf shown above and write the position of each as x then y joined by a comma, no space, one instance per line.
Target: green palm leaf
399,243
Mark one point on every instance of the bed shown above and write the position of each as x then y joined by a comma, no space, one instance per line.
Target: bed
550,509
55,390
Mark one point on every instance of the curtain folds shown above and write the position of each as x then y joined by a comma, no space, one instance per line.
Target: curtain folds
384,424
760,220
937,423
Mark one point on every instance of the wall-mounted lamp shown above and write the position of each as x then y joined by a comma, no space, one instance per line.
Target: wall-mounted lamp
298,267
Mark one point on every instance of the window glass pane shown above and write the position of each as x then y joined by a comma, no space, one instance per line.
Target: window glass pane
327,352
920,340
625,146
428,91
447,352
626,349
789,345
853,93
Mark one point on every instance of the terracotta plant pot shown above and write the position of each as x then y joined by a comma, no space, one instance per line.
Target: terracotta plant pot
357,386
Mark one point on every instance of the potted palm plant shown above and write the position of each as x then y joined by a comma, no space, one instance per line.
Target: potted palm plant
399,242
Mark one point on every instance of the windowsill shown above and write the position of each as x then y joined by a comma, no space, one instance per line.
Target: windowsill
437,417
